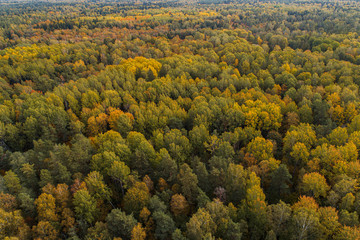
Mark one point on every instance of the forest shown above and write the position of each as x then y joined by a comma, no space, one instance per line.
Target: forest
180,120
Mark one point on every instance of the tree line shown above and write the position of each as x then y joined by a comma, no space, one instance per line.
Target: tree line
162,121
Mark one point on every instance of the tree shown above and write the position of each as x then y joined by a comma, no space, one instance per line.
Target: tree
157,205
121,122
256,206
320,111
302,133
136,198
28,170
188,181
120,224
165,225
62,195
46,208
98,232
329,220
90,98
144,154
200,225
177,235
7,202
305,217
299,154
236,183
179,205
350,112
45,230
102,162
347,218
81,152
85,206
138,233
314,184
12,182
347,202
226,227
271,235
178,145
348,152
306,115
348,233
167,166
261,149
120,173
26,203
97,187
279,216
279,185
198,136
338,136
67,220
12,225
45,177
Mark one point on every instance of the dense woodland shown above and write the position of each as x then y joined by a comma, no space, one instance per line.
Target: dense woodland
172,121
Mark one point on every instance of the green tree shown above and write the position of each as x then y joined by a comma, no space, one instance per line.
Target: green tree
12,182
120,173
305,217
299,155
103,161
188,182
200,225
165,225
167,166
279,215
120,224
279,185
85,206
236,183
97,187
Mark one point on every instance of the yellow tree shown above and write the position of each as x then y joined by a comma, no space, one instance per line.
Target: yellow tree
136,198
179,205
315,185
256,205
305,217
329,220
46,207
12,224
261,149
120,121
45,230
138,233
